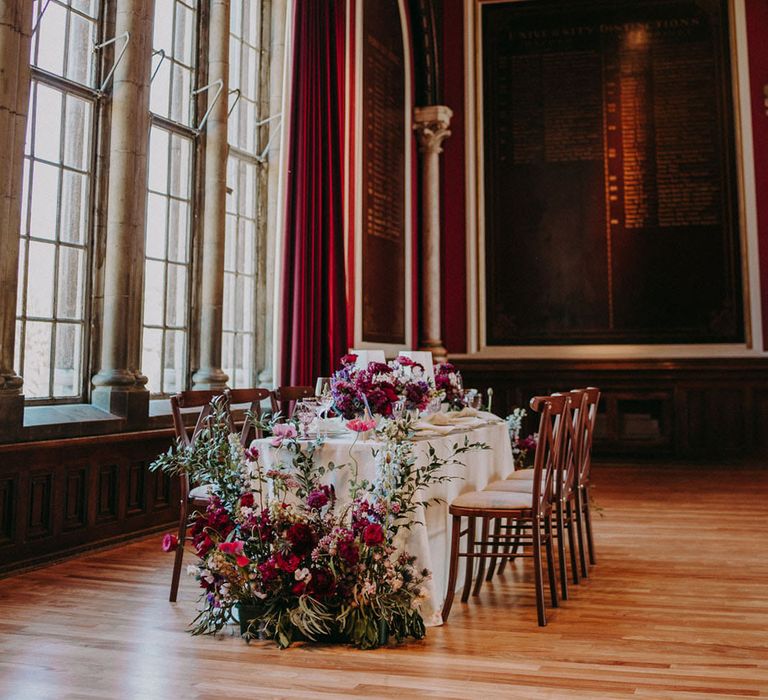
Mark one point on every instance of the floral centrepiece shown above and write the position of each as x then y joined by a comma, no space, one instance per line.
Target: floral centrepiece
277,545
448,383
377,388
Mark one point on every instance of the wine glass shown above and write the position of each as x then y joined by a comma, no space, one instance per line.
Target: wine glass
305,413
322,404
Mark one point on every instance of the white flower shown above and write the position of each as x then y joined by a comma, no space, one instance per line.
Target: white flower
206,575
191,569
301,574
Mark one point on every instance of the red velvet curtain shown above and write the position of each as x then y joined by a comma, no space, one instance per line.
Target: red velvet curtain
314,329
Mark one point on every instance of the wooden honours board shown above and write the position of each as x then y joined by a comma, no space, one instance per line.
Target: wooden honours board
383,172
609,185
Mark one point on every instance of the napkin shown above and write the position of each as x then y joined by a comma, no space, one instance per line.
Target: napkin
427,426
467,416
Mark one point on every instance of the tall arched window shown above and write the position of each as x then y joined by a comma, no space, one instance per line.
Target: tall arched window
246,186
172,158
59,161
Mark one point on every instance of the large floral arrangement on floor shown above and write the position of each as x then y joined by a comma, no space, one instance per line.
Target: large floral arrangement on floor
378,387
277,546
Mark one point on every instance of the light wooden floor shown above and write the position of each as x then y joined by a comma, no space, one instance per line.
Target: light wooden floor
677,607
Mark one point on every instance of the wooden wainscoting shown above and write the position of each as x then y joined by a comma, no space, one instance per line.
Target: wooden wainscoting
698,408
58,497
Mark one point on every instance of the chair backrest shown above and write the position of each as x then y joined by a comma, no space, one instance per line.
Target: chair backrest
225,399
196,399
425,359
547,455
364,357
254,398
590,417
571,449
284,396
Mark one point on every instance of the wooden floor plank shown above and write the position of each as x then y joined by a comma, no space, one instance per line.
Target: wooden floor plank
676,608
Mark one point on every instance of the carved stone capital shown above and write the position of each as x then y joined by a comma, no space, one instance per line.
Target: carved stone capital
431,127
10,383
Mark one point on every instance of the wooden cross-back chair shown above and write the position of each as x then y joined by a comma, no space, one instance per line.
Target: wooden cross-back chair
197,498
565,513
585,471
284,397
531,512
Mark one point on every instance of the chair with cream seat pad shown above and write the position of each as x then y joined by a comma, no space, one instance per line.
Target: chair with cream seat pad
566,511
532,512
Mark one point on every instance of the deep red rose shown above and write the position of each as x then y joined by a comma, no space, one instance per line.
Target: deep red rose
246,500
322,585
373,535
349,359
242,560
301,536
288,563
349,552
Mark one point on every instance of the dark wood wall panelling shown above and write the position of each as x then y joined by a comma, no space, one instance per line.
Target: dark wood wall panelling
687,409
62,496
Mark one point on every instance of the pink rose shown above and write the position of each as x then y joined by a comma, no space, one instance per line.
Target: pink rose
170,542
361,425
282,431
235,547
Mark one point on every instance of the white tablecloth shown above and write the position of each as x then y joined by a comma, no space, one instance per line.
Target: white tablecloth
429,542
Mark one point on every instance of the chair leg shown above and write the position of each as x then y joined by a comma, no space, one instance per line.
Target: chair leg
496,541
588,525
511,546
483,549
470,560
561,551
538,573
179,556
454,566
551,564
578,513
506,546
572,541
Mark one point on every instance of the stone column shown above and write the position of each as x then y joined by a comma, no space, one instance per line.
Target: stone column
431,126
15,36
265,341
210,375
119,384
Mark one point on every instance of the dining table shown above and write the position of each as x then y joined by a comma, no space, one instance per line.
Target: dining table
428,538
